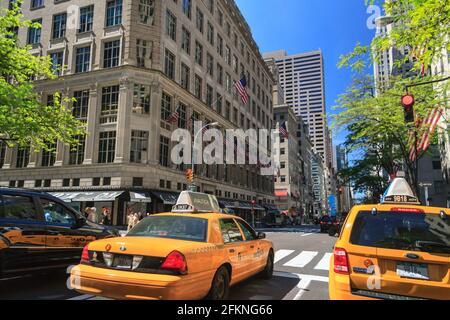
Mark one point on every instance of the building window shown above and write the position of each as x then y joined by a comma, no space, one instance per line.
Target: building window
76,182
210,64
47,183
185,76
37,4
219,103
198,53
210,34
81,105
138,181
186,41
2,153
38,183
107,147
164,151
198,87
110,104
83,59
34,34
200,20
106,181
59,25
228,110
86,19
169,66
187,8
76,153
182,111
113,12
210,5
209,95
219,74
143,52
141,99
437,165
23,157
57,62
171,25
166,106
49,156
146,11
139,145
111,54
96,181
220,45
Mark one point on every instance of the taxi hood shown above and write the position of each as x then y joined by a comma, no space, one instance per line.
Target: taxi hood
144,246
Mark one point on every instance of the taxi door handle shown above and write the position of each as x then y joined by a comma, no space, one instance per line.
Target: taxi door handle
232,251
252,247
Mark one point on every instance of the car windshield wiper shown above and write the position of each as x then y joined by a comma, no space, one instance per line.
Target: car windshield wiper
432,244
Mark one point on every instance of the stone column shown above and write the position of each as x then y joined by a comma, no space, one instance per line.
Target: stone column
60,150
34,158
123,135
89,150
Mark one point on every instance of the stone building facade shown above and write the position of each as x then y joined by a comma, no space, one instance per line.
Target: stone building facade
130,65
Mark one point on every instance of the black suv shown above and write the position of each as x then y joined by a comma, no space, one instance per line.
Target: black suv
40,232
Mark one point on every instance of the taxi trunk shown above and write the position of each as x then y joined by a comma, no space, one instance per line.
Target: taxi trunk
397,254
137,268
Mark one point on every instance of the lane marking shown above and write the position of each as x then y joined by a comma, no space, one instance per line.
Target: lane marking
324,263
303,284
302,259
306,234
82,297
281,254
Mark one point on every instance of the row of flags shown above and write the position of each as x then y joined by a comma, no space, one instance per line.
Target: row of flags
426,127
241,89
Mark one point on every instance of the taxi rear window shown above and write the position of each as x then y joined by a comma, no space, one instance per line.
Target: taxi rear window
180,228
402,231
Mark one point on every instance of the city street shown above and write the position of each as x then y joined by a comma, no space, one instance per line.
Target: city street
301,273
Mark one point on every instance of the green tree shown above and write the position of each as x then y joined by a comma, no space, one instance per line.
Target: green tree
24,120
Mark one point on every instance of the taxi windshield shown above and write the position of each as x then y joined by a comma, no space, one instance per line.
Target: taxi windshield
402,231
176,227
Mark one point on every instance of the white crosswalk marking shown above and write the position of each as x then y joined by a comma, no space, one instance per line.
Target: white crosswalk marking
324,263
281,254
302,259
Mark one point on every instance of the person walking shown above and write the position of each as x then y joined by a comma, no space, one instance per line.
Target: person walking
93,215
106,217
130,220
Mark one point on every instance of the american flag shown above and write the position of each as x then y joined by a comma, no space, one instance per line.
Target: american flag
424,141
241,87
173,118
283,130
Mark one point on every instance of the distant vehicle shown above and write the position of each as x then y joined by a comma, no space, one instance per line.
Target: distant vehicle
396,250
190,253
39,232
327,222
274,218
336,227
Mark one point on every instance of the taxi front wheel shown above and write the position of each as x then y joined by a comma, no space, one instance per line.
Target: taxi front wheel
220,287
267,273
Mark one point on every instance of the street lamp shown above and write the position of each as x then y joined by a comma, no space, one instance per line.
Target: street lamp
212,125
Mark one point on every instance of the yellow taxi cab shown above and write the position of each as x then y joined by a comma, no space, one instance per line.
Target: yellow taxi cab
396,250
193,252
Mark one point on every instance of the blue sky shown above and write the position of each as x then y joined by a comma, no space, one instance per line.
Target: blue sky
334,26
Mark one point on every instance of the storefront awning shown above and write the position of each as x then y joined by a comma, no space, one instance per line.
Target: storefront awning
144,197
270,206
281,193
95,196
240,205
167,197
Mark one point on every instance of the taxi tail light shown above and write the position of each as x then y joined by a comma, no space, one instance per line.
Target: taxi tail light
409,210
175,261
85,255
341,265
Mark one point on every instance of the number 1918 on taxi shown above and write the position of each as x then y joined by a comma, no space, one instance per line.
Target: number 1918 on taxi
193,252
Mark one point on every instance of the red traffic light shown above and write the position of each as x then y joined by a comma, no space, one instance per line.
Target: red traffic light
408,100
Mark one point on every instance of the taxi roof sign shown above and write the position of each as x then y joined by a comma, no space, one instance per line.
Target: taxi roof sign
399,191
195,202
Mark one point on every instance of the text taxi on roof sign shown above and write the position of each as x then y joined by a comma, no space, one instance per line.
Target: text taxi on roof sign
190,253
396,250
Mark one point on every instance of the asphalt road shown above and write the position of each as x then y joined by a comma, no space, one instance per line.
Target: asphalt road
301,273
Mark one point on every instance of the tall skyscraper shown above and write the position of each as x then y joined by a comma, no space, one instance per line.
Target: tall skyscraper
302,80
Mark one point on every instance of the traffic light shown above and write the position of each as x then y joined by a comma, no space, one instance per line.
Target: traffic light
189,175
408,107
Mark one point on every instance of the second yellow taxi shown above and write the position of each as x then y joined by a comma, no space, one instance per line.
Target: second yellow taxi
193,252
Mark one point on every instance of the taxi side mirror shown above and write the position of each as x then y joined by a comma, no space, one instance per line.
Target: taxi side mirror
261,235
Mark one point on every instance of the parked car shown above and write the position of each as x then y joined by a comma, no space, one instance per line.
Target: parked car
39,232
327,222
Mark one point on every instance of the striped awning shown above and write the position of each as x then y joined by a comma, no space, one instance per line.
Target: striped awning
167,197
94,196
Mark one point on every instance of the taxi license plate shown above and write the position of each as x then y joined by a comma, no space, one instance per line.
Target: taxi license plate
122,262
412,270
